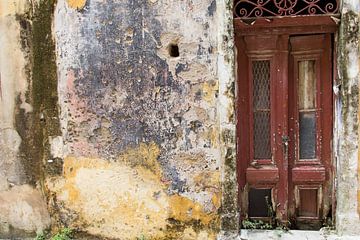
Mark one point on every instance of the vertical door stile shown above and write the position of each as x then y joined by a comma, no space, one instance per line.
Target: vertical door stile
281,113
243,122
292,125
327,125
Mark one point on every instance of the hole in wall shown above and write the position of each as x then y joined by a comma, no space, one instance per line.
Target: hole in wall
173,50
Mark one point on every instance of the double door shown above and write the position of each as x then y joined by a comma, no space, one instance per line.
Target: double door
284,128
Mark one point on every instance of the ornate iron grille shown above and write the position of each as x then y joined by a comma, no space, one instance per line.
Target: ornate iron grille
273,8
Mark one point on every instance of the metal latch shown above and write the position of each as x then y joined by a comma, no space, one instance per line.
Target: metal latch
285,140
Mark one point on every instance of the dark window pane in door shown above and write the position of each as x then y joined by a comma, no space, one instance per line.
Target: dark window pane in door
262,146
259,202
307,132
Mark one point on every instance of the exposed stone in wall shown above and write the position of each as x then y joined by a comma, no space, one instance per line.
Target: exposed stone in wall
140,126
347,217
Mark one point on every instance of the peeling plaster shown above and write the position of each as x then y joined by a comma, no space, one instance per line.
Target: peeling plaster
120,93
230,226
12,69
347,216
13,7
95,194
23,209
138,125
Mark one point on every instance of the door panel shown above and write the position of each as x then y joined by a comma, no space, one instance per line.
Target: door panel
284,109
310,127
262,123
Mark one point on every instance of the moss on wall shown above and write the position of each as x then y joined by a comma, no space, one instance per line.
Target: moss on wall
35,127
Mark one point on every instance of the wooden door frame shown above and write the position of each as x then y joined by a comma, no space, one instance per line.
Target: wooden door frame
303,25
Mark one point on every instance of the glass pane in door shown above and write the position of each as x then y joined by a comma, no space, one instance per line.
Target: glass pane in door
261,109
307,109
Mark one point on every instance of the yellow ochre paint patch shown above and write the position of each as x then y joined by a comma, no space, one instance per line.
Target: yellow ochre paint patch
77,4
126,196
209,90
358,195
143,157
185,210
112,197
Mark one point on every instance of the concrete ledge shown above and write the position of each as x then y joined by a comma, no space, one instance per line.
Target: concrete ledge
292,235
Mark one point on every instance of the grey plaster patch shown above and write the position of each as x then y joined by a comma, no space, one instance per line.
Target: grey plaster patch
11,171
22,208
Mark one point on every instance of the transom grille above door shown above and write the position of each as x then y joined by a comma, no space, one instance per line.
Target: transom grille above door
244,9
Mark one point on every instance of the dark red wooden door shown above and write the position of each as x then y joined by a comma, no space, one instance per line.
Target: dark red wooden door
284,128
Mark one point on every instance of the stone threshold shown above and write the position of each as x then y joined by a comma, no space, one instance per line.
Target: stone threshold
247,234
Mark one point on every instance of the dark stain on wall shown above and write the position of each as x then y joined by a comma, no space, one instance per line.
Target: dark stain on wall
349,34
212,8
130,95
181,67
36,127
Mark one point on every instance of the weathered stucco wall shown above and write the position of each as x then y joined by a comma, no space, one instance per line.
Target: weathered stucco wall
122,138
347,216
23,209
120,134
140,128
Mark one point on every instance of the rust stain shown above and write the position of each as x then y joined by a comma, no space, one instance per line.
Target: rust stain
77,4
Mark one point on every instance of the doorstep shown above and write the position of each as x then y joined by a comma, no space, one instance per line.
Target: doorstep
247,234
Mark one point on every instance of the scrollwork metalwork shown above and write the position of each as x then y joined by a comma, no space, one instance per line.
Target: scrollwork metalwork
273,8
